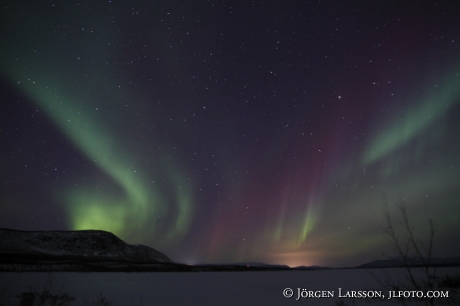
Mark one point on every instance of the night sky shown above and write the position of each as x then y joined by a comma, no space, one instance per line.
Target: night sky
227,131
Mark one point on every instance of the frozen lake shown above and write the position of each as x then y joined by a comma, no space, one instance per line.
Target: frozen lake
204,288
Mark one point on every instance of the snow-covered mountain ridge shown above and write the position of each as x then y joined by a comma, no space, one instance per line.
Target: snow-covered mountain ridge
88,244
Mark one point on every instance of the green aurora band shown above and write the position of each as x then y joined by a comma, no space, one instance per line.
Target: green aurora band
418,119
136,210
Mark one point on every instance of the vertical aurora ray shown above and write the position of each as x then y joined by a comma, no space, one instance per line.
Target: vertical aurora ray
302,223
309,222
182,198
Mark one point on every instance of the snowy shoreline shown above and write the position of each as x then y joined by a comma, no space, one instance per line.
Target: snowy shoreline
242,288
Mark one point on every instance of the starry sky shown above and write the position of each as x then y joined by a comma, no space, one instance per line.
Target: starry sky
228,131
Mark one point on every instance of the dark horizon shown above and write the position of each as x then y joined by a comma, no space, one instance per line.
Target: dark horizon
217,132
435,261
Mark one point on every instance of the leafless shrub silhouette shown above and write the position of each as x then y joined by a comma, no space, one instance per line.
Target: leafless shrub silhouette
415,255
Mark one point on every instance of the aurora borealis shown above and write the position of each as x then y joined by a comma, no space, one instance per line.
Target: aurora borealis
226,132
